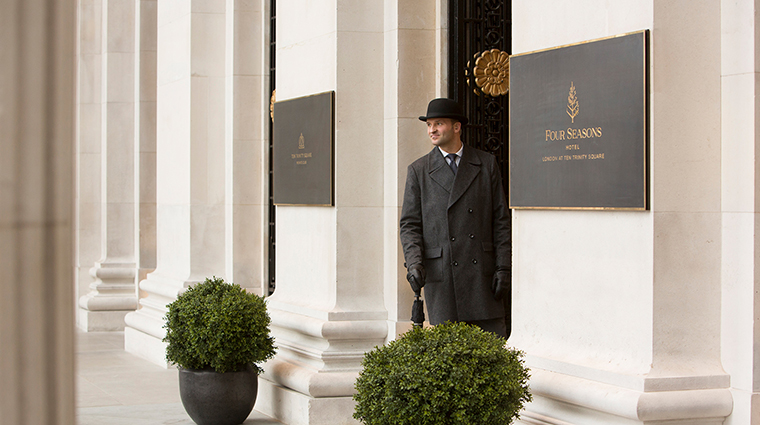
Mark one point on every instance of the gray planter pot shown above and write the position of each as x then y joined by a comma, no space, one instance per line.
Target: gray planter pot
212,398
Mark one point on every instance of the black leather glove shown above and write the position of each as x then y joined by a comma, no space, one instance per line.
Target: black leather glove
502,282
415,274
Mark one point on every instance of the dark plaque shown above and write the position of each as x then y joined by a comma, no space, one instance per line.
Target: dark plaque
303,150
578,126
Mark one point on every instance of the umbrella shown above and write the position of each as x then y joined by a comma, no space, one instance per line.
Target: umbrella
418,311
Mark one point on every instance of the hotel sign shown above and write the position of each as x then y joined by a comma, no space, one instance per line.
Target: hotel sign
302,157
578,126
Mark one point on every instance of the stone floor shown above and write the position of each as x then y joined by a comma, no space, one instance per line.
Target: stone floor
117,388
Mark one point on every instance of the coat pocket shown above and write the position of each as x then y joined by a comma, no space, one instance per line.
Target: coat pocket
489,260
433,263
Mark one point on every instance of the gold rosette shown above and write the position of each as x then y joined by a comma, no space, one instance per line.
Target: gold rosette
491,72
271,103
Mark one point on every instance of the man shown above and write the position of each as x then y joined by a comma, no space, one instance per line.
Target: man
455,228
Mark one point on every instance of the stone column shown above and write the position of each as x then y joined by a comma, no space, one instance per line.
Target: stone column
193,108
740,132
113,293
247,152
37,104
620,312
145,152
410,29
687,382
328,308
89,134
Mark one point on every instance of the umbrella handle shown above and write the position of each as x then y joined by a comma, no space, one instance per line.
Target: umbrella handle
421,314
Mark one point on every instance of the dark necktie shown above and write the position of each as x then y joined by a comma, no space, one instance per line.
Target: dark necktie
453,164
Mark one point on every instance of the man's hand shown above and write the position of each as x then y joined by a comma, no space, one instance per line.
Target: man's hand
416,276
502,282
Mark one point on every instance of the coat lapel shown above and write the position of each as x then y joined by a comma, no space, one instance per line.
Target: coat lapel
439,170
469,168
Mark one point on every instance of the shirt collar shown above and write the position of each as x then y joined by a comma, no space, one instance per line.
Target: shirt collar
459,152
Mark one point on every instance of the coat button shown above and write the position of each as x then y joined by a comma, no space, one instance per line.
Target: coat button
469,210
453,239
472,236
474,261
455,264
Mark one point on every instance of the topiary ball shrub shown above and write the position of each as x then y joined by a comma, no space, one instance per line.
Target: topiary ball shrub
445,375
218,325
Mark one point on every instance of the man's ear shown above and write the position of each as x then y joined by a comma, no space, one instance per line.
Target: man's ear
457,126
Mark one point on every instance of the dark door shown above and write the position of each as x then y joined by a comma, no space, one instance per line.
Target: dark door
272,63
480,39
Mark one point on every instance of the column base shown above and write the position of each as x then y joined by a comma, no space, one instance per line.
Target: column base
112,296
144,329
573,415
294,408
311,379
746,408
101,321
560,399
145,346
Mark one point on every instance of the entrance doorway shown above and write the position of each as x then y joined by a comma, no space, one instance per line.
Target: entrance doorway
480,39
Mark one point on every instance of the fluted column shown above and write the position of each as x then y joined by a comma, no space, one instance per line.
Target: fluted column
193,125
38,40
113,293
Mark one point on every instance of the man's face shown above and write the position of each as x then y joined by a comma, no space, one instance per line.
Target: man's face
444,133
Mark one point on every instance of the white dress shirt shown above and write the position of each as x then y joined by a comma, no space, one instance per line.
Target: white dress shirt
459,155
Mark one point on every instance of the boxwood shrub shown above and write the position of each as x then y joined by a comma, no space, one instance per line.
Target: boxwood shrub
445,375
218,325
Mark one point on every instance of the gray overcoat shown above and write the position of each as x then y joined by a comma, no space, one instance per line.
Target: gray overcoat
459,228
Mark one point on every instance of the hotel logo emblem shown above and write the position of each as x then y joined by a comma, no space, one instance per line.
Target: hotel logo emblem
572,103
301,142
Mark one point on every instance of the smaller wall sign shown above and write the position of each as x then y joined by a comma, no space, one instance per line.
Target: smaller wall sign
303,150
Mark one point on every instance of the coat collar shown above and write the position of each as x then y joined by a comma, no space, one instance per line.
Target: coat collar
439,170
469,168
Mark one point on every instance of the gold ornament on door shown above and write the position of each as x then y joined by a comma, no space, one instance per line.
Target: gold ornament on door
491,72
272,99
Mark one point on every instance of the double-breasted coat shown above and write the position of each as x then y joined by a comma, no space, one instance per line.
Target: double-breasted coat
459,229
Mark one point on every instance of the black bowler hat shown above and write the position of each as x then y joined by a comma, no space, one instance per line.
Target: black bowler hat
444,108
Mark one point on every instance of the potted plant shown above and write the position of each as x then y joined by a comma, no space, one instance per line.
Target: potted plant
448,374
217,333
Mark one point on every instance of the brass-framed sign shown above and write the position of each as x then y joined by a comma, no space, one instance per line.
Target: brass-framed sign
303,150
578,126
